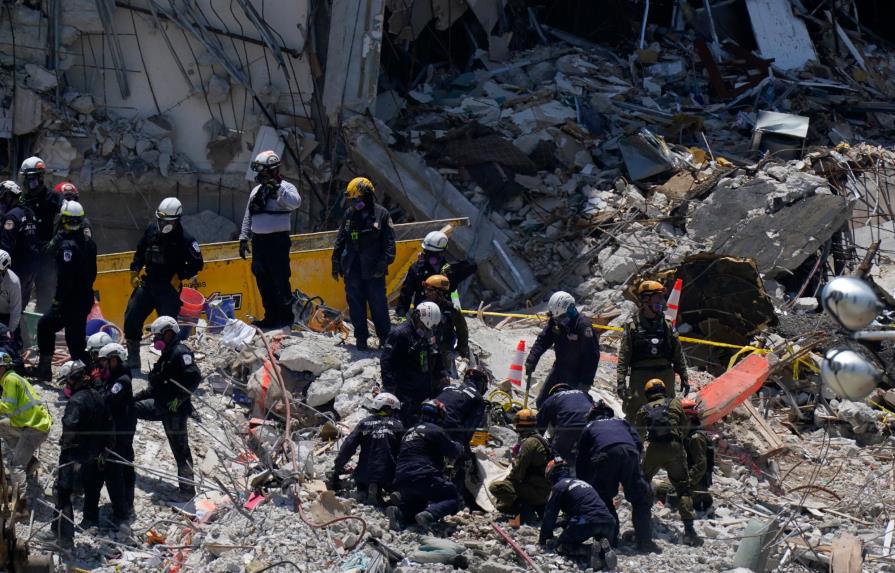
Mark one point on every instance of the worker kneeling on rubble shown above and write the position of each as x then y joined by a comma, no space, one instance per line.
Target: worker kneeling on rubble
664,420
412,368
76,271
365,247
566,411
432,261
24,420
608,456
574,342
379,439
700,460
525,490
586,517
169,256
172,381
464,409
424,493
87,430
267,222
452,332
116,386
649,349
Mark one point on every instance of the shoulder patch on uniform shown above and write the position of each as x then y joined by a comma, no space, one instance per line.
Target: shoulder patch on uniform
66,256
9,225
187,359
196,246
88,233
116,388
588,333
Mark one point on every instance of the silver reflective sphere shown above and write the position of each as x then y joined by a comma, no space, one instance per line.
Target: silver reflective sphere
851,301
849,374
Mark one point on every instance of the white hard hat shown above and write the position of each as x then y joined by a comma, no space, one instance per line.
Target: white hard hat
163,324
71,369
849,374
5,261
33,164
98,340
169,208
113,349
386,400
429,313
559,303
72,209
851,302
265,160
10,187
435,241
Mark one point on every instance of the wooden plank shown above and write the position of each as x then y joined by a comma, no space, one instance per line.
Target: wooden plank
846,554
775,444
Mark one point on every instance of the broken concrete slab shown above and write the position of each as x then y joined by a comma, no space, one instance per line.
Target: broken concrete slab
57,152
27,111
779,34
40,79
756,545
207,226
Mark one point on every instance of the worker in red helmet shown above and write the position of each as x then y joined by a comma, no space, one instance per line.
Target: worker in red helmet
68,191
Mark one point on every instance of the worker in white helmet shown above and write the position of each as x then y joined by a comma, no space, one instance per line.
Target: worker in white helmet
433,260
45,205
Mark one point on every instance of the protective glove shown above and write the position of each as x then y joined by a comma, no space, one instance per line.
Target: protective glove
174,405
176,282
332,479
337,272
685,386
243,248
136,281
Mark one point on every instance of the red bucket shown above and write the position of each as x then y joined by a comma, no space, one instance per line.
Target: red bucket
192,303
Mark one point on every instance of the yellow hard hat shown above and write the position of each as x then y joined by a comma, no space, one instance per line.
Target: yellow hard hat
439,282
650,287
358,187
654,386
526,419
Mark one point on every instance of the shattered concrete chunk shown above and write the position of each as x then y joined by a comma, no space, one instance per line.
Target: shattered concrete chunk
207,226
325,387
40,79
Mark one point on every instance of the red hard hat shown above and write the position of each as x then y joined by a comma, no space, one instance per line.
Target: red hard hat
67,189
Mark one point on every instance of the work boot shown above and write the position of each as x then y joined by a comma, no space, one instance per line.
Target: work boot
133,355
602,557
89,525
425,519
690,537
648,546
395,517
44,370
362,345
373,494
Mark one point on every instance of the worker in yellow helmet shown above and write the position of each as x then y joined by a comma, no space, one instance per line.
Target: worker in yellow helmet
649,349
365,247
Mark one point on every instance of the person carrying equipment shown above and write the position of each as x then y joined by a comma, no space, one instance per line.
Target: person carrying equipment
525,490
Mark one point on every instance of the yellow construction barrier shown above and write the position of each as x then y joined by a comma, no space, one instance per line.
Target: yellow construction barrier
226,274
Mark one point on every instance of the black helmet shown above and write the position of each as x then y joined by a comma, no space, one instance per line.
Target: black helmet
477,377
601,411
561,387
432,411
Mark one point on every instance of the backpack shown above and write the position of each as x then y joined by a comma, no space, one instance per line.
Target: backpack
658,421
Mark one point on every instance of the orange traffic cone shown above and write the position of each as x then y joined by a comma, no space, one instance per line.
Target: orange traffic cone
674,301
515,373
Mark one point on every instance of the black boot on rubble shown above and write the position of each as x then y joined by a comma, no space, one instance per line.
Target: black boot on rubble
602,556
690,537
44,370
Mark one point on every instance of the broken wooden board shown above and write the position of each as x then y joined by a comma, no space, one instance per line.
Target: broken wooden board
846,554
775,445
723,394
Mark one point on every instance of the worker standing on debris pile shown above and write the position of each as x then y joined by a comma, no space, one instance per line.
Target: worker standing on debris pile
566,411
172,381
365,247
664,420
586,517
432,261
412,368
18,237
574,342
116,387
44,206
649,349
525,490
24,420
379,439
10,296
608,456
76,271
87,430
69,192
452,332
267,223
700,457
169,256
425,494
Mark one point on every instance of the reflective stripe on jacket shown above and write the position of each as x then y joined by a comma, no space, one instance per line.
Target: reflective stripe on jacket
22,404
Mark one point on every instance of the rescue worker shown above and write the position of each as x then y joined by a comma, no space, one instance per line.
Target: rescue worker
116,387
24,420
525,490
586,517
169,255
12,345
664,420
574,343
266,223
412,368
18,237
68,191
700,457
432,261
172,380
452,332
94,343
649,349
566,410
379,439
464,405
87,430
44,205
608,456
365,247
10,295
76,271
425,493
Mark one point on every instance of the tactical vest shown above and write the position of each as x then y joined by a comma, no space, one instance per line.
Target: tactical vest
706,480
658,421
651,344
363,234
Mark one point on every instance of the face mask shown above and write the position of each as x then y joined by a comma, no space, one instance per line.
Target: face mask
67,391
572,311
434,260
105,374
165,227
159,344
359,205
32,183
657,307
